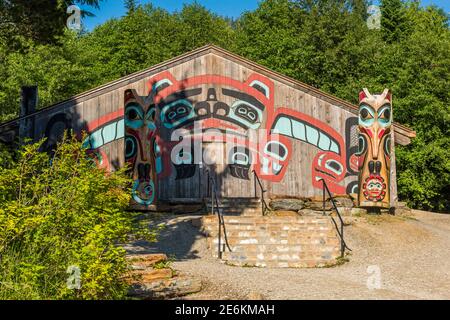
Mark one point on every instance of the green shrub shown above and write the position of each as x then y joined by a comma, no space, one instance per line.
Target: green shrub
61,211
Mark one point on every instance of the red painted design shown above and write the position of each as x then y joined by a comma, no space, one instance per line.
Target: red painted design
367,131
327,165
112,116
362,95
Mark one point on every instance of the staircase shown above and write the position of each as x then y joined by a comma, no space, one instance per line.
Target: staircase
237,206
272,241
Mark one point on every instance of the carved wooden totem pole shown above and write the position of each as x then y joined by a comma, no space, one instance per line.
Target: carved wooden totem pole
141,148
375,120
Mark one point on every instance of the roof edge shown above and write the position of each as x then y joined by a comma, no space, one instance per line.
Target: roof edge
211,48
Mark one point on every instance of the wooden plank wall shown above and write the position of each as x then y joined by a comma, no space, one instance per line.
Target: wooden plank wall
298,178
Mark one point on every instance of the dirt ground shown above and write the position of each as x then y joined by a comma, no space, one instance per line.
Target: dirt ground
410,256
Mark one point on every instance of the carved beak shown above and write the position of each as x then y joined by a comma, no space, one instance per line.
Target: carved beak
375,141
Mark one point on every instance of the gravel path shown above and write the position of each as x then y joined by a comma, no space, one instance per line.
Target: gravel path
412,254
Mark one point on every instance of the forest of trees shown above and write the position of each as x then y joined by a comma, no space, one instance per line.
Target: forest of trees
324,43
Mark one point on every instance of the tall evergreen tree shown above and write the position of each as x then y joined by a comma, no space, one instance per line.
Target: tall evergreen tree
392,20
39,20
131,6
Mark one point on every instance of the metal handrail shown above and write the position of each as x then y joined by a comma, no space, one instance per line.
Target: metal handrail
215,207
264,206
340,230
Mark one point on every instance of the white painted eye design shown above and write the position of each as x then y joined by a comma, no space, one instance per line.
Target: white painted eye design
384,115
334,166
177,113
240,158
246,114
276,150
366,115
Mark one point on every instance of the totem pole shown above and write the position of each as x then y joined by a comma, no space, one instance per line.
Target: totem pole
141,148
375,120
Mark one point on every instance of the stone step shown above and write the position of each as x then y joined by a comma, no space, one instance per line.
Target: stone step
285,257
268,220
145,261
277,248
166,288
262,220
313,263
261,234
270,227
149,275
238,211
235,201
275,240
235,205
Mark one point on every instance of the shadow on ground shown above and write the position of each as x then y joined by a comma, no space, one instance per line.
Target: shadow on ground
179,239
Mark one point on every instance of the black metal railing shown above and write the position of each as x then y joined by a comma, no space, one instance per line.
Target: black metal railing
264,206
215,208
339,229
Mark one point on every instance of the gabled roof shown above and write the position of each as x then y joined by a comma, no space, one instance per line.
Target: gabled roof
403,133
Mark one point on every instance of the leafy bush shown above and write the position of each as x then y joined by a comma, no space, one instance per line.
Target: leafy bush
57,212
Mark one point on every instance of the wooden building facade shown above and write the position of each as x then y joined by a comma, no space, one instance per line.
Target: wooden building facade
212,111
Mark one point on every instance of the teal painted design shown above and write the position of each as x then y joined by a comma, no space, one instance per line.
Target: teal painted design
158,160
105,135
312,135
366,116
176,113
298,129
148,188
283,126
134,116
324,142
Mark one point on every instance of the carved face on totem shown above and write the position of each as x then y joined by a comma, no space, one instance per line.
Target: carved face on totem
141,150
375,120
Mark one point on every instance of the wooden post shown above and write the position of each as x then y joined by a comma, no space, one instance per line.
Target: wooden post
28,104
393,201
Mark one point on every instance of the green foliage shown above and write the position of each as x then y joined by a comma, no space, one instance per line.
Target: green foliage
325,43
392,20
55,69
130,5
60,211
6,156
41,21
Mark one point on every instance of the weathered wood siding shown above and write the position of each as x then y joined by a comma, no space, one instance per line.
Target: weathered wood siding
216,69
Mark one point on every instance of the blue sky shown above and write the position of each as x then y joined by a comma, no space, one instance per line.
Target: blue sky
231,8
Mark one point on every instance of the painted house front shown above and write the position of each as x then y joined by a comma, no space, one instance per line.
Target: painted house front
212,111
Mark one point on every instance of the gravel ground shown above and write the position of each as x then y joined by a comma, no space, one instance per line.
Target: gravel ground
412,254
